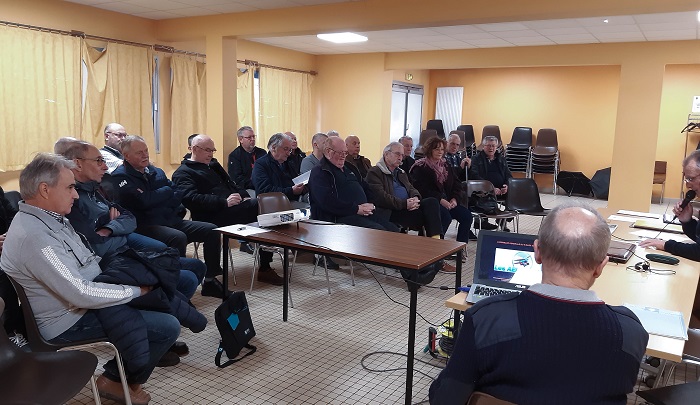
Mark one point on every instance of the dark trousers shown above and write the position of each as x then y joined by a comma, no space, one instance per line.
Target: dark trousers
462,215
427,215
373,221
184,232
12,316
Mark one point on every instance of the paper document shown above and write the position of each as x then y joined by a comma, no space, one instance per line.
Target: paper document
302,178
657,225
241,230
639,214
621,218
661,322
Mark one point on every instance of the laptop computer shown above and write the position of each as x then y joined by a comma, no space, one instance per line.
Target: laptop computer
505,262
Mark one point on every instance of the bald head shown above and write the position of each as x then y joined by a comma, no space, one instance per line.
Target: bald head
202,149
353,144
335,151
62,144
114,133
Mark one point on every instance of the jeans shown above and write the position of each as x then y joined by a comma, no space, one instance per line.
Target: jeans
163,329
463,217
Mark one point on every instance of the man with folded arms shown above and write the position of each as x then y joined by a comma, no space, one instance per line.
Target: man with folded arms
556,342
45,255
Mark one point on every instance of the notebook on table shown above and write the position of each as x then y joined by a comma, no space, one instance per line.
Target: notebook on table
620,252
505,262
657,225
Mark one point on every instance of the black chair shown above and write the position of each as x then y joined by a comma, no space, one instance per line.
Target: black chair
13,198
524,197
424,136
469,140
42,378
544,157
38,344
681,394
518,150
437,126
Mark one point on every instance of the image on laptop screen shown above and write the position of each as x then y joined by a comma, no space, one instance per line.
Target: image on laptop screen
504,259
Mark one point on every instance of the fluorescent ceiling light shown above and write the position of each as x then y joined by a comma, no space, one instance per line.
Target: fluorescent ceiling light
342,37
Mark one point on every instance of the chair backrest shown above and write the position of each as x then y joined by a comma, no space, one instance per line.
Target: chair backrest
13,197
437,126
478,185
659,167
425,135
523,196
547,137
273,202
491,130
479,398
460,134
468,133
522,137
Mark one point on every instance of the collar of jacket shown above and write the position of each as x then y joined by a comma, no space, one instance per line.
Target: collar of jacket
89,186
148,171
382,166
42,216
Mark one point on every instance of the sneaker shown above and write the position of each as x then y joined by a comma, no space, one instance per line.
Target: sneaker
472,236
269,276
246,248
448,268
329,262
169,359
19,340
214,288
180,348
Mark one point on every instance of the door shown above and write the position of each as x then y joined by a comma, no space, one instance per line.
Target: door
406,111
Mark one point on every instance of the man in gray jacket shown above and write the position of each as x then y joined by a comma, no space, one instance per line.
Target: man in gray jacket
49,259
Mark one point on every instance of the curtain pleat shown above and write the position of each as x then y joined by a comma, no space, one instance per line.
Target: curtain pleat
188,102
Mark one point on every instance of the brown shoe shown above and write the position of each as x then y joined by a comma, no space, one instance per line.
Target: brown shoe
270,277
138,394
114,391
448,268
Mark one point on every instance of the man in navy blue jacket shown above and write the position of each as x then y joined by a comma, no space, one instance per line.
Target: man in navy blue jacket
272,172
557,342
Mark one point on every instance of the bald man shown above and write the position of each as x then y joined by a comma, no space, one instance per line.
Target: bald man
556,342
353,157
112,152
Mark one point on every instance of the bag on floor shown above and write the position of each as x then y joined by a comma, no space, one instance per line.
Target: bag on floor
236,328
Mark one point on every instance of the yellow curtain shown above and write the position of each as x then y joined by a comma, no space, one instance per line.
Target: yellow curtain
39,93
188,101
285,105
246,109
119,90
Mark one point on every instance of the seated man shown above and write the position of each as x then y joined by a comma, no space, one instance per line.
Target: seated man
312,160
272,172
488,164
362,164
339,193
397,200
45,255
111,152
296,155
408,161
211,196
455,158
242,159
557,342
146,191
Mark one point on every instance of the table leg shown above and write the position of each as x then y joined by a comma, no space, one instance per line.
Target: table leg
458,283
225,275
411,342
285,289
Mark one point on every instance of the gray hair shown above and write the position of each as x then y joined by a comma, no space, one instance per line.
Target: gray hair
405,138
62,144
574,242
332,132
110,127
316,139
276,140
391,145
242,129
44,168
490,138
694,157
456,136
125,143
76,149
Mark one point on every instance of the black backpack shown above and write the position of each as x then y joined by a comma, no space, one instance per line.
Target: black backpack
236,328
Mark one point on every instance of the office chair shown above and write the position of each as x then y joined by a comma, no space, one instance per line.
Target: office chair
38,344
524,198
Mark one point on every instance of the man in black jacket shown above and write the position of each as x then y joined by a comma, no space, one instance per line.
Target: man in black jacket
211,196
273,172
157,203
242,159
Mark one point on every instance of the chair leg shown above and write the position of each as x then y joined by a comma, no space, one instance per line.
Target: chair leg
256,259
95,393
663,185
120,365
352,273
196,250
328,280
233,268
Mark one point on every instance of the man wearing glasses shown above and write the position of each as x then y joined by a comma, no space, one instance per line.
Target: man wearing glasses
111,152
211,196
273,172
242,159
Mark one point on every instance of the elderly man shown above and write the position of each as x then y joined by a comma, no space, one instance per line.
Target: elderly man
273,173
242,159
296,155
211,196
363,164
111,152
535,347
489,165
340,194
454,158
314,158
45,255
408,161
333,132
157,203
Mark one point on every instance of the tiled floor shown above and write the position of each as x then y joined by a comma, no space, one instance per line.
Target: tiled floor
316,357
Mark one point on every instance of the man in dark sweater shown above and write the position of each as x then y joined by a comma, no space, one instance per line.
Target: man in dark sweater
274,173
242,159
408,161
353,157
557,342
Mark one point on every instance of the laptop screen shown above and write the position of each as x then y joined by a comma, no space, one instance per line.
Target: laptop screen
505,259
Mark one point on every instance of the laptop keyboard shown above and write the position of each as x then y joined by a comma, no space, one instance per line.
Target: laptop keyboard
481,292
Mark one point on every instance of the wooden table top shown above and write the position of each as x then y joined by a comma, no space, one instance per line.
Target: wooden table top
391,249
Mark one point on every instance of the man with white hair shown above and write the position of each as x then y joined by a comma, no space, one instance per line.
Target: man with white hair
556,342
273,173
112,152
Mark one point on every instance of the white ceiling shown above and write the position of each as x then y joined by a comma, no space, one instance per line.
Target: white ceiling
631,28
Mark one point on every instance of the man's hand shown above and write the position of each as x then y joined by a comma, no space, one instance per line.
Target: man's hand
113,214
504,189
145,289
453,203
412,203
685,214
658,244
465,162
445,203
298,189
233,199
365,209
104,232
2,241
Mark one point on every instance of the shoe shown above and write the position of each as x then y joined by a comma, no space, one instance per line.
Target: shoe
114,391
269,276
448,268
472,236
329,263
19,340
246,248
505,229
488,226
138,394
214,288
180,348
169,359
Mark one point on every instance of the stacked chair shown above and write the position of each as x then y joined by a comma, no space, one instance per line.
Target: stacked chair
437,126
468,142
544,157
518,150
493,130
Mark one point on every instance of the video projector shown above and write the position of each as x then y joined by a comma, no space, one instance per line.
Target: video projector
282,217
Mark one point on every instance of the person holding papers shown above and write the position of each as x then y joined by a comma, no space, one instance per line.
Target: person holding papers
272,172
556,342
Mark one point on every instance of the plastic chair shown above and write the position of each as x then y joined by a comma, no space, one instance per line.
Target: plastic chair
38,344
41,378
13,197
524,198
518,150
469,140
493,130
437,126
487,187
660,176
479,398
544,157
424,136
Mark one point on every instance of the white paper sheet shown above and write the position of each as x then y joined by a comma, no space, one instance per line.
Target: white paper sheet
241,230
621,218
639,214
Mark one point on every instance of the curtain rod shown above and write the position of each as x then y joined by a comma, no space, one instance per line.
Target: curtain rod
80,34
249,62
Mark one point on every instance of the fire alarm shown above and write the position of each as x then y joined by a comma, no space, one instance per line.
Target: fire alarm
409,77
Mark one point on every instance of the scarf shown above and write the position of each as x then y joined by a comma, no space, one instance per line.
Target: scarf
437,166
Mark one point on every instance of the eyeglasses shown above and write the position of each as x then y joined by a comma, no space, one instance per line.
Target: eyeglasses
398,154
205,149
690,179
100,160
248,137
342,153
118,134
